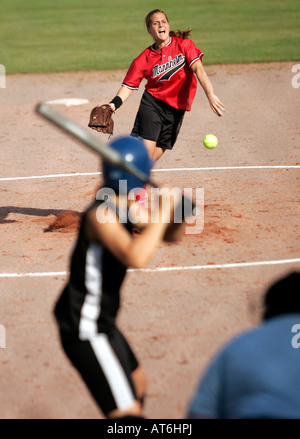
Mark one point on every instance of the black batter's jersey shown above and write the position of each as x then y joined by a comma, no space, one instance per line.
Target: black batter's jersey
91,298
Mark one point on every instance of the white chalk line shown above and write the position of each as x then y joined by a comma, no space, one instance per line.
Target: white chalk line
165,269
161,269
46,274
74,174
220,168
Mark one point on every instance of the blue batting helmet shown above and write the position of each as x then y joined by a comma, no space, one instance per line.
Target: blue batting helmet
133,151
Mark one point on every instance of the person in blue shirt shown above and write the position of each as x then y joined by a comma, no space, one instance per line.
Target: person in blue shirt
256,374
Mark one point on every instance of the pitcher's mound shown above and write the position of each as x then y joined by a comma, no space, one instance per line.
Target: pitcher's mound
67,221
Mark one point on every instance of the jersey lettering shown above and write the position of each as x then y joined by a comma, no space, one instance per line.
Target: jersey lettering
169,68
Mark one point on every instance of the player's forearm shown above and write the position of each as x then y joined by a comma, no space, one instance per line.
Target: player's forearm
154,232
123,94
214,102
202,78
143,247
206,84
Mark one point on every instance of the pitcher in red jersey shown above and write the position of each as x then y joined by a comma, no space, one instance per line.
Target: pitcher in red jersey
171,66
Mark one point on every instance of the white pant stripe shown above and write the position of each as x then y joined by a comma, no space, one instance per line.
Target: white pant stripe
113,371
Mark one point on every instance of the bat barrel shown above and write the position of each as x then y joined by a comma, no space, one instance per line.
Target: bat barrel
107,153
76,131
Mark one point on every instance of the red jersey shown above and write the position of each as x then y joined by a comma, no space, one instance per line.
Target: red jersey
167,71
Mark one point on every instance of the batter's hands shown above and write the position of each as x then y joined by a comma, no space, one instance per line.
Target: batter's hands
216,105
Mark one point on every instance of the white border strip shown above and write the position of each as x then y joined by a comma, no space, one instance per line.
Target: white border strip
164,269
221,168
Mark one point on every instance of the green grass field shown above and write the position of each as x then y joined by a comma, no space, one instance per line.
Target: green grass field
71,35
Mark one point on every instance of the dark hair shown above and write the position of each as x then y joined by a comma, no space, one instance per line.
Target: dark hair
178,33
283,297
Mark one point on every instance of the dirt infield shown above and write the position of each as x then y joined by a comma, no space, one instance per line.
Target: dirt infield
176,319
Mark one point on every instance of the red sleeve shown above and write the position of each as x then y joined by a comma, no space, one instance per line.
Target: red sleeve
134,75
192,53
